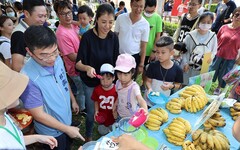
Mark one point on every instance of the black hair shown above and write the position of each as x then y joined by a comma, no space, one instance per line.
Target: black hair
2,20
39,37
165,41
103,9
135,1
113,5
204,15
60,5
86,9
15,13
122,3
200,1
29,5
2,59
108,74
180,46
150,3
132,71
18,5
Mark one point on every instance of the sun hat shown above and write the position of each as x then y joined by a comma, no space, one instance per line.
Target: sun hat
107,68
125,63
12,85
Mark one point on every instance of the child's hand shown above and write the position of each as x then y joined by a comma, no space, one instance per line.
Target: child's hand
115,114
209,61
95,115
149,91
49,140
186,68
166,86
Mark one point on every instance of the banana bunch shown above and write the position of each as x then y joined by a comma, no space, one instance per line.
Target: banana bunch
175,105
188,145
235,110
156,117
215,121
195,98
210,140
177,130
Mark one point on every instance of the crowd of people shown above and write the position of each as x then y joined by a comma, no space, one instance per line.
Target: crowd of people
103,63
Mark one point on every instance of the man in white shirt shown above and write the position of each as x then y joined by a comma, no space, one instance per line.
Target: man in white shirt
133,31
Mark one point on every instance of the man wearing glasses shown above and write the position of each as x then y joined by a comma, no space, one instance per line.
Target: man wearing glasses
68,43
48,96
188,21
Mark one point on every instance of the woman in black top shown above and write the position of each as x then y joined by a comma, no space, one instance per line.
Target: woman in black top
98,46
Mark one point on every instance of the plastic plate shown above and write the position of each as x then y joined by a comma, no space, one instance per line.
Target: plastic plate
150,142
89,145
15,112
161,99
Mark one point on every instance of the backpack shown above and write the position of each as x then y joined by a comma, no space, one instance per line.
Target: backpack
196,56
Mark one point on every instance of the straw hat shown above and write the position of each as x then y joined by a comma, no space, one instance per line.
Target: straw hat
12,85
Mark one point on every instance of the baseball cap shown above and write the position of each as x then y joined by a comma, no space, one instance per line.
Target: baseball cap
12,85
107,68
125,63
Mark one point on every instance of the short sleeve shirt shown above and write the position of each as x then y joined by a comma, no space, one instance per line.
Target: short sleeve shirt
68,43
127,99
105,100
131,35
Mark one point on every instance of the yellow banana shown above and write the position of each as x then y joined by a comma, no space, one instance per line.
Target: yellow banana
177,104
190,88
156,112
198,147
208,125
184,95
175,100
154,121
178,125
191,147
178,134
155,117
203,137
194,109
195,102
232,109
165,114
175,142
236,113
196,134
177,130
152,127
203,146
175,111
210,141
175,138
151,124
189,92
217,144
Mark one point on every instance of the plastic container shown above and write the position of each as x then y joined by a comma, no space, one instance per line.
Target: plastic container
89,145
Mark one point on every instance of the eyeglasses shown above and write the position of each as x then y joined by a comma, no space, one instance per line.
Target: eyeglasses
67,14
236,15
46,57
192,4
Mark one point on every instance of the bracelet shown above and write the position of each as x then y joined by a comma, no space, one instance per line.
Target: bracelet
173,87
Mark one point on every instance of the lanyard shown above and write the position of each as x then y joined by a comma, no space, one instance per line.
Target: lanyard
16,135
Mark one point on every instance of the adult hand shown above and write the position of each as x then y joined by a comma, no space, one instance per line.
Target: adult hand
91,72
140,69
73,132
127,142
80,148
49,140
75,107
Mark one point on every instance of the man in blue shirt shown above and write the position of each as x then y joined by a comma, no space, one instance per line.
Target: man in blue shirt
48,96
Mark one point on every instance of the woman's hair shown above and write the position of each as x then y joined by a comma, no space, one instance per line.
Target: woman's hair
204,15
236,10
2,20
132,71
12,9
102,10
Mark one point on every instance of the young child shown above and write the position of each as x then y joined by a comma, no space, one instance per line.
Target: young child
199,42
104,97
129,94
163,75
85,15
11,136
